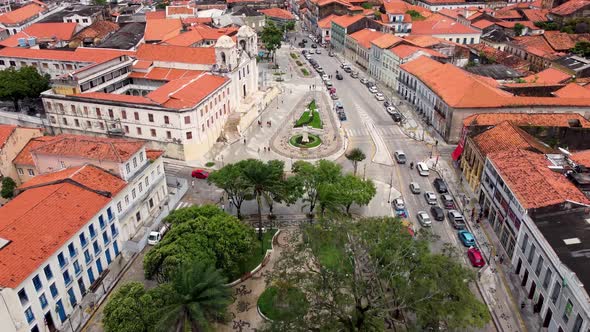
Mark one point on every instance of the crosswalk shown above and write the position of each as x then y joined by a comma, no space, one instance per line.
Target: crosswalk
174,169
383,131
182,205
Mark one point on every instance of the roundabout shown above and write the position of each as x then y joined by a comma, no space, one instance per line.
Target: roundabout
300,141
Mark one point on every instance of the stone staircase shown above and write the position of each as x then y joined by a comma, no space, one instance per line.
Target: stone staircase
230,129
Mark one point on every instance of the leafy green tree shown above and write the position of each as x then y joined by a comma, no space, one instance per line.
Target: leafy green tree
356,155
312,176
218,239
367,5
133,309
290,26
518,28
25,82
200,296
271,37
8,186
415,14
582,48
354,190
230,179
100,2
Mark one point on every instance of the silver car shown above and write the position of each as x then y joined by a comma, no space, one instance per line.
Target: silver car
398,204
430,198
414,188
424,219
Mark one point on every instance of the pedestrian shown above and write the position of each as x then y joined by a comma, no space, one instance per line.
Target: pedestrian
193,183
411,165
244,141
269,123
264,149
258,150
268,149
502,259
522,305
496,258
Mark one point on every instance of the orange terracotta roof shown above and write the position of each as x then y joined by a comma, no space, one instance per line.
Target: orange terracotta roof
549,75
179,10
187,38
440,25
98,29
536,15
162,29
157,15
426,41
81,54
346,20
501,57
43,31
41,220
21,14
187,92
115,97
581,158
507,136
536,45
165,74
532,182
386,41
5,132
403,51
365,36
507,13
90,147
561,41
142,64
326,22
153,154
570,7
168,53
197,20
527,119
482,24
24,157
452,13
278,13
572,90
438,2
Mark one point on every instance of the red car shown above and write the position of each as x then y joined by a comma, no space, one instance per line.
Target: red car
200,174
475,257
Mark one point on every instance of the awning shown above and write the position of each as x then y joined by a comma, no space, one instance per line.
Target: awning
327,38
457,152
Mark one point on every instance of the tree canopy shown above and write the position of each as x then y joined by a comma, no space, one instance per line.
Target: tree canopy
271,36
370,274
200,233
25,82
313,176
356,155
582,48
8,186
230,178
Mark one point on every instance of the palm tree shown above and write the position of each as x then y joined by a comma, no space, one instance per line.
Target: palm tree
200,295
355,156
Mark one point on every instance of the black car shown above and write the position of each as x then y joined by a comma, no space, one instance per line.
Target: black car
370,84
386,104
303,51
304,41
440,186
396,116
314,46
437,213
342,116
339,76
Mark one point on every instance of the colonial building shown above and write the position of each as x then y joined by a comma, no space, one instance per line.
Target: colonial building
12,141
358,46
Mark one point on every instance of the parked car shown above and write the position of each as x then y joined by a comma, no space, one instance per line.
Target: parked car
387,104
440,186
325,77
475,257
344,64
342,116
430,198
422,169
400,157
155,236
370,84
332,90
379,96
304,52
447,201
396,116
320,70
456,219
466,238
200,174
331,53
424,219
318,51
437,213
338,106
334,96
373,89
414,188
328,83
347,69
390,110
398,204
314,46
354,74
339,76
364,80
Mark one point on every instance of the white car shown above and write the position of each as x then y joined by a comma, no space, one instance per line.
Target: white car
325,77
318,51
422,169
373,89
424,219
379,96
328,83
390,110
398,204
430,198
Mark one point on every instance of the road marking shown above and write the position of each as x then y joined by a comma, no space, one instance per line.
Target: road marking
381,154
183,205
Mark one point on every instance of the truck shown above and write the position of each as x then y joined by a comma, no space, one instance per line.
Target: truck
156,236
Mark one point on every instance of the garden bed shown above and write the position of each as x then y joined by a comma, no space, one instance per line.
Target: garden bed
311,117
305,72
294,56
314,141
282,303
257,254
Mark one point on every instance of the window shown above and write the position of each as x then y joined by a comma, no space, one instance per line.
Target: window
96,247
67,277
567,311
114,230
101,222
168,134
110,214
138,131
116,248
37,282
72,250
90,275
119,207
48,272
62,260
166,119
127,199
578,323
53,290
150,117
189,135
547,278
43,301
111,114
134,162
65,121
98,113
76,122
153,132
539,266
124,115
140,187
63,165
128,168
531,253
31,172
187,119
77,268
87,256
133,194
105,238
147,181
29,315
107,253
151,203
22,295
136,115
138,216
72,297
556,290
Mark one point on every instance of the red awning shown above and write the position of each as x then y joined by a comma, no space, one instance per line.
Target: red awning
457,153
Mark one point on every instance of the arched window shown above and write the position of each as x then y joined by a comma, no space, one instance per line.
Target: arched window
223,58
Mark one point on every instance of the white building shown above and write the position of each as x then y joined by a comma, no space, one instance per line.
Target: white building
541,222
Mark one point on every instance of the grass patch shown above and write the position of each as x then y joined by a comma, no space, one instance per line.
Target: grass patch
313,141
278,73
329,249
283,303
305,72
310,117
256,254
299,63
294,56
210,164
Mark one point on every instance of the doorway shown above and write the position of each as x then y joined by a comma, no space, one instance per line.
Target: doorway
525,279
547,319
532,290
539,304
244,89
49,322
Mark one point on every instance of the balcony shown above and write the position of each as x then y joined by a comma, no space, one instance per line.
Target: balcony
68,281
73,253
63,263
88,259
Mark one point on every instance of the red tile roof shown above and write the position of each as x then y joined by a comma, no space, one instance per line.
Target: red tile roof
386,41
561,41
41,220
278,13
115,97
24,157
570,7
507,136
507,13
153,154
365,36
179,10
157,15
536,45
90,147
532,182
162,29
549,75
187,92
326,22
581,158
22,14
165,74
168,53
527,119
43,31
403,51
482,24
536,15
5,132
572,90
347,20
197,34
441,25
98,29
